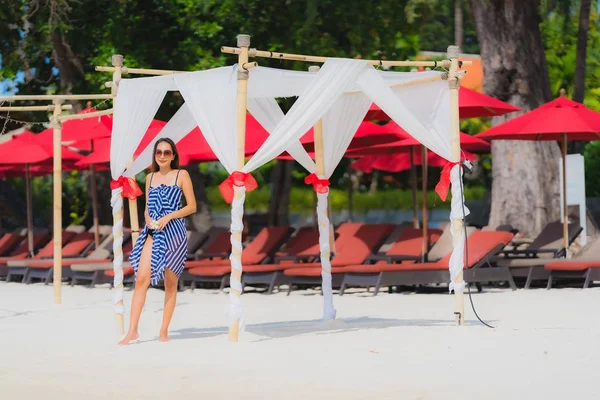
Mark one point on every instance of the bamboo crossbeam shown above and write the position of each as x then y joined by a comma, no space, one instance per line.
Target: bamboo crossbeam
147,71
56,97
320,59
85,115
35,108
57,200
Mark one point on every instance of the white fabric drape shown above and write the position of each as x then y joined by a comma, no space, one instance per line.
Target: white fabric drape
268,113
430,125
329,311
210,96
457,259
116,201
178,126
135,107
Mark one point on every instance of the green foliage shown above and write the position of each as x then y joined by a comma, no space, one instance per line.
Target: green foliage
301,199
591,156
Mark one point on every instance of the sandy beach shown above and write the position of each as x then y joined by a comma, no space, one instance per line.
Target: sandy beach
390,346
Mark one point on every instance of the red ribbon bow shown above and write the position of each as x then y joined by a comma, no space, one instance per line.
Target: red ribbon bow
239,179
319,185
131,190
444,184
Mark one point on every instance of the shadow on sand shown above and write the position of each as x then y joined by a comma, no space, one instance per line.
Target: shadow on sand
284,329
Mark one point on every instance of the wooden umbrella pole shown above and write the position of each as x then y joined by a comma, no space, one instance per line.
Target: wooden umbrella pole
320,59
413,186
57,224
457,224
424,167
95,204
243,41
29,210
564,188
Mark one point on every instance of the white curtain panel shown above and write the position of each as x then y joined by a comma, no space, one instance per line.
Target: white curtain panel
457,260
135,106
178,126
211,98
427,125
318,97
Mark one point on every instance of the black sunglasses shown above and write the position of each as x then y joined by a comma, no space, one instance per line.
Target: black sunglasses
167,153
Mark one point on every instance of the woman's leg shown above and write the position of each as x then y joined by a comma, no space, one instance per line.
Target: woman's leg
142,282
170,299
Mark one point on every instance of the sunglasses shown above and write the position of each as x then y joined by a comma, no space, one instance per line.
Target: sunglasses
167,153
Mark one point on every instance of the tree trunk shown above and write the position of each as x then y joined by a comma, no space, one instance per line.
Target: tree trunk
201,221
458,23
525,188
582,39
280,193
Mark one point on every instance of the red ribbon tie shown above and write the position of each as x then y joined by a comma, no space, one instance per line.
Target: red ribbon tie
444,184
131,190
239,179
319,185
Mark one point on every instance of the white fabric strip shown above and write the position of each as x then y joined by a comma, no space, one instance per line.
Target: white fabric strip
457,260
176,129
329,311
268,113
210,96
328,86
236,309
116,202
135,107
430,126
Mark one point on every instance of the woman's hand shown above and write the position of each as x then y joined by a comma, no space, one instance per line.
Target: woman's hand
164,221
148,221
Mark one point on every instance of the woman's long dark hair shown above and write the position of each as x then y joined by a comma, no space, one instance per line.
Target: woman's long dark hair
174,162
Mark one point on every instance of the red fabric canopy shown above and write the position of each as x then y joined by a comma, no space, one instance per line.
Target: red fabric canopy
471,104
75,130
400,162
549,122
367,134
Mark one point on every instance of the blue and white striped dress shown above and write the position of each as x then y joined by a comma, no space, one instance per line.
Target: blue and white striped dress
169,246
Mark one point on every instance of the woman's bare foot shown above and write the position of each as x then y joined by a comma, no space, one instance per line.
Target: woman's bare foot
128,338
163,337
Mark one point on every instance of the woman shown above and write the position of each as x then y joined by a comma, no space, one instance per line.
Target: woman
160,250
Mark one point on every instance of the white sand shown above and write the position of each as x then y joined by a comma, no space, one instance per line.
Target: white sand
400,346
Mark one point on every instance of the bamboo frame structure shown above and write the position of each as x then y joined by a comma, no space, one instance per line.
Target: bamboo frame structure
457,225
563,146
35,108
413,184
145,71
29,210
243,42
424,168
57,107
321,59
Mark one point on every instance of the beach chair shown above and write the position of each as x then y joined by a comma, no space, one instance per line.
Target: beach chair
42,267
352,248
258,251
9,242
584,266
527,258
480,246
17,266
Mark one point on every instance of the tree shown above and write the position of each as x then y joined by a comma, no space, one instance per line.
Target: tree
525,174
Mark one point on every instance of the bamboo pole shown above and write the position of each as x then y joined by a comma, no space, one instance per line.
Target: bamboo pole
413,185
35,108
454,81
57,224
243,41
29,210
564,188
56,97
86,115
424,168
320,59
145,71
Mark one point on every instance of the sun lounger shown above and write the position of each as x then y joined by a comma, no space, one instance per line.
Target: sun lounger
480,245
585,265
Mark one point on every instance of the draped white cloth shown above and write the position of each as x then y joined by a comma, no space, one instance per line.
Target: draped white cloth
339,93
457,259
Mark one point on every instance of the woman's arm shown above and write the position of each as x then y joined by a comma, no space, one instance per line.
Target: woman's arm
188,192
146,214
